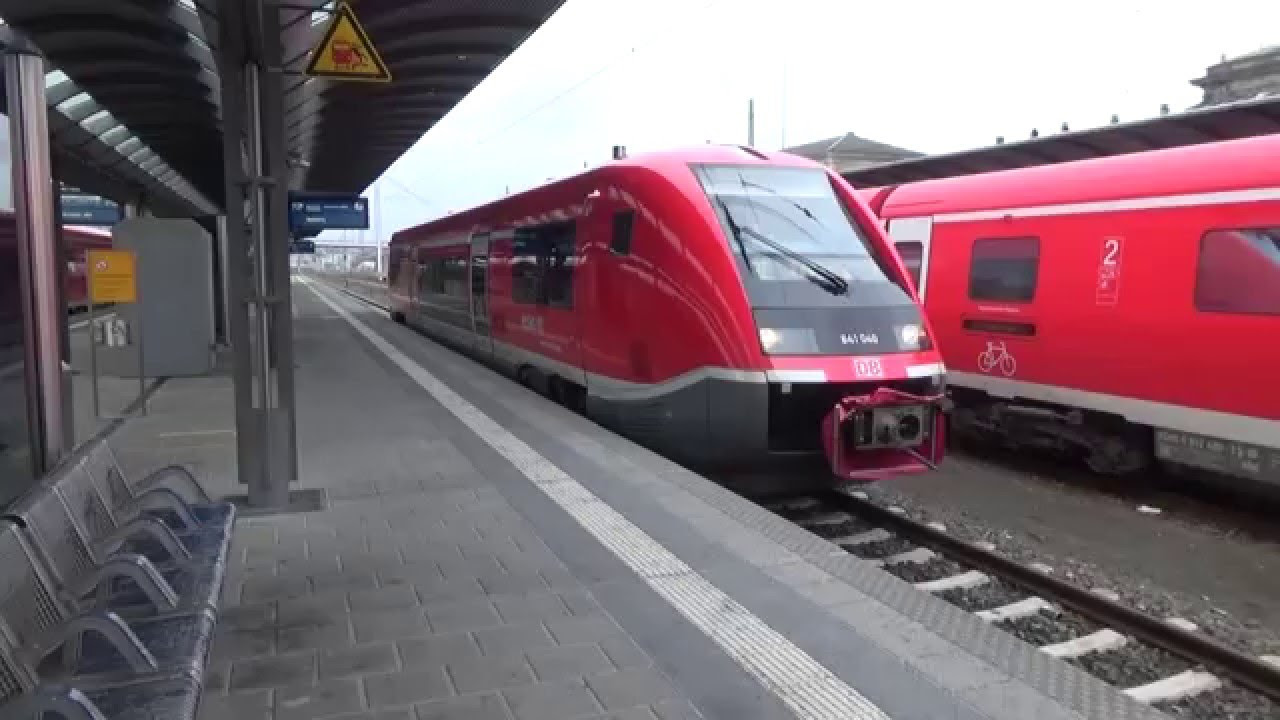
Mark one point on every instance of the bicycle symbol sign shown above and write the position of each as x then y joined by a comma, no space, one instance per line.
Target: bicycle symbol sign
997,354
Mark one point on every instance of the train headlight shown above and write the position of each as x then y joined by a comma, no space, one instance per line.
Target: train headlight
788,340
913,337
769,338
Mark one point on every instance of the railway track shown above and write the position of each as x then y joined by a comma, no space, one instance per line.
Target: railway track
1166,662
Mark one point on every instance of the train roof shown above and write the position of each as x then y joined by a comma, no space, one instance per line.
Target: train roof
1211,167
663,162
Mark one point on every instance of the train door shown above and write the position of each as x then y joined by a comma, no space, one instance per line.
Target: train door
480,323
912,236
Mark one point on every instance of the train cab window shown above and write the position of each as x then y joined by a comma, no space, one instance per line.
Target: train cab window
912,254
623,223
1239,272
1004,269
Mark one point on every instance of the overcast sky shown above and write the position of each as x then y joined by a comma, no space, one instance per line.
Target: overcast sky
930,75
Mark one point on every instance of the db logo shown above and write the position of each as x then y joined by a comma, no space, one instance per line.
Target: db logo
868,368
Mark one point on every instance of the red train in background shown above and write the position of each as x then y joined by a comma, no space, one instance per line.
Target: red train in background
77,241
1126,309
723,306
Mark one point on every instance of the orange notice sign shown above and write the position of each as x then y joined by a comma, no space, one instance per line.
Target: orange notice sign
346,53
113,276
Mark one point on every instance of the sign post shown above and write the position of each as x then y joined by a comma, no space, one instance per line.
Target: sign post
345,52
113,278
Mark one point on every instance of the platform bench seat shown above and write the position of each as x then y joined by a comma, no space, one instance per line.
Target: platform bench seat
109,594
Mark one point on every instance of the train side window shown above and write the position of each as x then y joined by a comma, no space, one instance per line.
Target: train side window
559,262
1239,272
1004,269
912,254
623,224
526,277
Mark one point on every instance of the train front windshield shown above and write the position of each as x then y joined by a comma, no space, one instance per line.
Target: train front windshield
810,272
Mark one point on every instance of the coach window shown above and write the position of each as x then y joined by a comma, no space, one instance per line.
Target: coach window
912,254
1239,272
526,279
1004,269
623,222
558,263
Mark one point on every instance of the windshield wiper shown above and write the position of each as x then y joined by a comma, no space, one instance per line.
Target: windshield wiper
737,233
835,284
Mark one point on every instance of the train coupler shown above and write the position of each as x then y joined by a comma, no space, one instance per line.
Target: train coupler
884,434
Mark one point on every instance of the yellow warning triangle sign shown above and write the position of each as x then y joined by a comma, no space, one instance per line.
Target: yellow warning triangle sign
346,53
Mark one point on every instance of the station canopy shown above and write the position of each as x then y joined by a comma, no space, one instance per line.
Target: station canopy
1247,118
134,94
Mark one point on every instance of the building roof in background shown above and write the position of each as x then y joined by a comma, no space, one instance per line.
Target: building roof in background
848,152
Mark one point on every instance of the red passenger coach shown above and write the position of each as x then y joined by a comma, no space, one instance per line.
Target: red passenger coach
1127,308
726,307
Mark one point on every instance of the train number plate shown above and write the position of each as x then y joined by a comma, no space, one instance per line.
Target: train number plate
868,368
1222,456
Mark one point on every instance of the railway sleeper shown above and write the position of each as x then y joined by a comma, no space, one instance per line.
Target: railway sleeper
1175,687
1015,610
967,579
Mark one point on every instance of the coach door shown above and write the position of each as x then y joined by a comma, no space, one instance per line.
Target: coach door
480,293
911,236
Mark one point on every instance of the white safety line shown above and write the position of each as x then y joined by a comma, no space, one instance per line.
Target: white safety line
808,688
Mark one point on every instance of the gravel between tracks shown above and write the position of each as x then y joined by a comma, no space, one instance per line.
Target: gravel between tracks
1228,703
989,595
1048,629
1131,665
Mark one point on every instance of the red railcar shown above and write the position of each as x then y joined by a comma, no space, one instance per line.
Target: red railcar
724,306
1127,307
77,241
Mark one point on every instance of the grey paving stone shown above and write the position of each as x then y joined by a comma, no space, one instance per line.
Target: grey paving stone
409,574
485,706
312,610
386,598
260,589
447,590
247,617
625,688
581,603
624,653
551,701
217,677
345,580
229,645
255,705
573,630
276,671
517,582
512,639
470,567
490,673
406,688
635,713
314,701
519,608
676,709
565,661
358,660
404,713
390,625
462,615
559,579
437,650
314,637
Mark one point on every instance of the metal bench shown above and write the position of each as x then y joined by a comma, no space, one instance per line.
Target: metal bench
108,593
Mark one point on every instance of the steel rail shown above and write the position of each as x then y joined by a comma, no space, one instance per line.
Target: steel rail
1244,669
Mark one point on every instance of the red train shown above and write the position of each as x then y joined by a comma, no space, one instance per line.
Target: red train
726,307
1123,308
77,240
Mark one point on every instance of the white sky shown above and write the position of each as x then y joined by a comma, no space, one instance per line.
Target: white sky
929,75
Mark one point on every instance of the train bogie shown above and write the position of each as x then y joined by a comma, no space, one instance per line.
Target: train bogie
716,305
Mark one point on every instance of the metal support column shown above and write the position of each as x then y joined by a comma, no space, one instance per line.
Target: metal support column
223,290
257,251
33,201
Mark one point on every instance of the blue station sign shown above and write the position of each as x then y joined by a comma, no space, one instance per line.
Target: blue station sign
84,209
302,247
325,211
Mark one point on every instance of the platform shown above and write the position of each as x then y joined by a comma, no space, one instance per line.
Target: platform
483,553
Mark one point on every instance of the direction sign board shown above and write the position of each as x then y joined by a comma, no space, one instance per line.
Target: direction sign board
84,209
319,211
302,247
345,51
113,276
